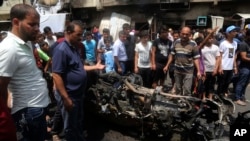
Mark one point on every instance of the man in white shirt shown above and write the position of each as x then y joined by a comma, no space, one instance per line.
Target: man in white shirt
119,53
49,37
20,75
227,63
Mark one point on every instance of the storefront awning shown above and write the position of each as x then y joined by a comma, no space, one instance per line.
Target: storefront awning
239,16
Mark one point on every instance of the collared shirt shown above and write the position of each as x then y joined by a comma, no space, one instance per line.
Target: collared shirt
28,87
68,63
184,56
119,50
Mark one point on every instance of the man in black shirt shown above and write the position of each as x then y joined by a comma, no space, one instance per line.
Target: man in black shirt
160,50
244,70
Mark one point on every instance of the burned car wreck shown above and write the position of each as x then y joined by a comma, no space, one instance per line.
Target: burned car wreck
124,101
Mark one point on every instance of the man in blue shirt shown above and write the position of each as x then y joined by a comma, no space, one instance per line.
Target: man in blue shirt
69,74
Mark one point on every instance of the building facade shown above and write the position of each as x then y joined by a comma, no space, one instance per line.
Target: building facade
144,14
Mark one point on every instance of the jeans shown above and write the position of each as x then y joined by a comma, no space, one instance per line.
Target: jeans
183,82
31,124
73,128
123,67
57,122
244,75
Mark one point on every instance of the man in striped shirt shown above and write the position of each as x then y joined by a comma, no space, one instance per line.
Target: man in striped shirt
186,55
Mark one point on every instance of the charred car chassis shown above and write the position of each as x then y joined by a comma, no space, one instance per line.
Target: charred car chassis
124,101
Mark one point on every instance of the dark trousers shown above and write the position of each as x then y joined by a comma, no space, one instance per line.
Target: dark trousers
72,119
123,67
57,122
31,124
223,81
130,66
146,77
209,83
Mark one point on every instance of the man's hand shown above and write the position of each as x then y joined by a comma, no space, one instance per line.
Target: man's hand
119,69
165,69
220,71
100,66
68,104
153,67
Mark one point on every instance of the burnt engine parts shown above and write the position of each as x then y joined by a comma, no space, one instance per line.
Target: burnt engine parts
124,100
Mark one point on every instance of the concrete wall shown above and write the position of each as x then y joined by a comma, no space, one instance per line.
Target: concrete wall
107,3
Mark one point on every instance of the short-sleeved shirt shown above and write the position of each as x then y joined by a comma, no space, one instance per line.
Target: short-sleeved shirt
209,55
119,50
90,50
68,63
228,51
27,85
163,47
130,47
109,60
144,54
244,47
51,41
184,56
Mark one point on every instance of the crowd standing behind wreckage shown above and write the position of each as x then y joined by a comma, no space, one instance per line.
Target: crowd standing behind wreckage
196,62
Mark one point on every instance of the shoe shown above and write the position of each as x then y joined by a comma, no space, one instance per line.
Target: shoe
241,103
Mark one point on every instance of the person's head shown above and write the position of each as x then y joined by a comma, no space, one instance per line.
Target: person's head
198,40
144,36
59,35
48,32
88,36
232,31
163,32
108,41
211,38
176,35
105,32
247,26
122,36
40,38
25,21
126,28
171,31
95,29
44,46
73,32
185,34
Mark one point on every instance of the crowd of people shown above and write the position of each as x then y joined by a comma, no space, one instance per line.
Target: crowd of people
38,69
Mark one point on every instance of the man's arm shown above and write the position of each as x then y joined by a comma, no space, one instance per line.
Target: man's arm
60,87
136,62
235,65
220,70
197,66
216,67
153,50
170,59
4,82
98,66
